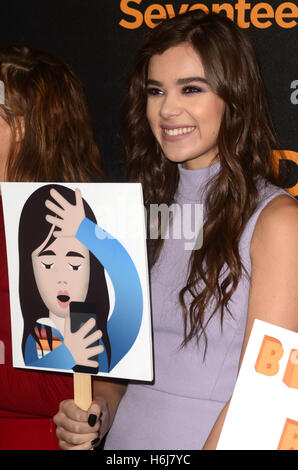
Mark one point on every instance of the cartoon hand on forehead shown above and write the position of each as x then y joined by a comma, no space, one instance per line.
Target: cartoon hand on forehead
69,216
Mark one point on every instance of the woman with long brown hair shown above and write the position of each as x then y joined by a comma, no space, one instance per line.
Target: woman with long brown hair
46,110
46,135
197,131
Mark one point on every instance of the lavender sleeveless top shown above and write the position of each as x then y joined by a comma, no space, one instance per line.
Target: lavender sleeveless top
180,408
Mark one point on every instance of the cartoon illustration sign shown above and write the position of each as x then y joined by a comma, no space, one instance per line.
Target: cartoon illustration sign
263,413
78,278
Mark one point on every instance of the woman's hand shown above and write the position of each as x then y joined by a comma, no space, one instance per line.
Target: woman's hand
69,216
79,343
81,430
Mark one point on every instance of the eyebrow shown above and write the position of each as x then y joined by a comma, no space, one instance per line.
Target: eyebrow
74,253
180,81
185,81
52,253
47,253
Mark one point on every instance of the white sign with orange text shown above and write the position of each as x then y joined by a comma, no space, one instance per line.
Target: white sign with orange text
263,413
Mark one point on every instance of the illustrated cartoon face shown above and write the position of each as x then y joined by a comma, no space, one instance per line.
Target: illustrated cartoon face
62,272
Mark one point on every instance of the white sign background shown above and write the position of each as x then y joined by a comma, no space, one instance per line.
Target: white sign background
260,404
119,210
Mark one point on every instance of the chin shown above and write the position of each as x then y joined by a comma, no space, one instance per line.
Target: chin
177,158
62,313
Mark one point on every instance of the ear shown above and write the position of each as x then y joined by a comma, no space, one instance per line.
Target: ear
20,128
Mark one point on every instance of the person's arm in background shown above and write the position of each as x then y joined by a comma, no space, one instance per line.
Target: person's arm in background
274,291
81,430
34,392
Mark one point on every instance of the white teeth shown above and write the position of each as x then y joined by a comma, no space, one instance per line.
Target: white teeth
179,130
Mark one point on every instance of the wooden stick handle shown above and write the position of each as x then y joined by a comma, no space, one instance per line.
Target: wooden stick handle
82,390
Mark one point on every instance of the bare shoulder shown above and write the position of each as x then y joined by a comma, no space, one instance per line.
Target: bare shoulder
274,256
277,226
273,295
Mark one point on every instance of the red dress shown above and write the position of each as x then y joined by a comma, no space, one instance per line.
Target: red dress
28,398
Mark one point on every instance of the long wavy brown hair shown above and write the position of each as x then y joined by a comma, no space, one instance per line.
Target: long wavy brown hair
245,144
46,109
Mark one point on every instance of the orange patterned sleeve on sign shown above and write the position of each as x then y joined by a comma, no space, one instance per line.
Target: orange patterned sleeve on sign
42,336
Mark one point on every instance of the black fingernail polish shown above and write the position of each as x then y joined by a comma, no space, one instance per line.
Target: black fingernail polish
95,441
92,420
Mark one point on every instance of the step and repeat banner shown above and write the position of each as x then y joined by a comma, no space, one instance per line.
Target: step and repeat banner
98,38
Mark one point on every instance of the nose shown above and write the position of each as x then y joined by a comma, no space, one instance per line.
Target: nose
62,282
170,106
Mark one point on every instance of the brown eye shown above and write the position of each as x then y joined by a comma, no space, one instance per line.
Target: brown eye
188,90
153,91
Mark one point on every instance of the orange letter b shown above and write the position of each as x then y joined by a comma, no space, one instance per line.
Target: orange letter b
270,353
289,437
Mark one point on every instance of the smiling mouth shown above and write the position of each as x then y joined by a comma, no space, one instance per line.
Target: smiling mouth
178,131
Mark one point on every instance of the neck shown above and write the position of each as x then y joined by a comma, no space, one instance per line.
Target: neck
59,322
193,183
201,162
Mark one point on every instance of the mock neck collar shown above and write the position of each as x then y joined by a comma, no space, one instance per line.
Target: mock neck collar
192,182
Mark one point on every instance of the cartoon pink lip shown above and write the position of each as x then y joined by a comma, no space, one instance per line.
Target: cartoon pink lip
63,298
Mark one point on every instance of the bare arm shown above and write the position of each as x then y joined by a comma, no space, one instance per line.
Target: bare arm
274,278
